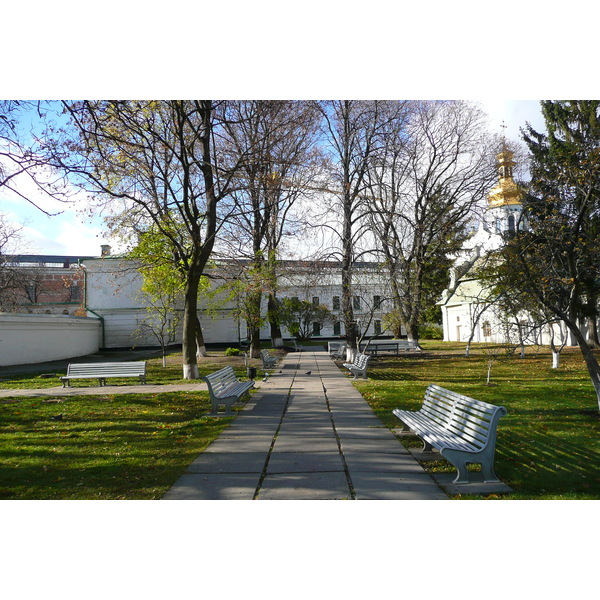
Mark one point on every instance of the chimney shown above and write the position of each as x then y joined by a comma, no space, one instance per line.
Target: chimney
105,250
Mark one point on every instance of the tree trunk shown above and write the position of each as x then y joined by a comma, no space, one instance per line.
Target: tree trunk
254,337
588,355
200,346
276,337
412,333
190,362
555,358
489,371
592,332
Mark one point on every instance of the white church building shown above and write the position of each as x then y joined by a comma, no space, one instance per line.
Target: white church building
468,311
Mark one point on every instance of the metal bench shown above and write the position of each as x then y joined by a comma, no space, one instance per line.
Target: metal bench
395,346
268,361
225,388
339,352
407,345
102,371
359,365
461,428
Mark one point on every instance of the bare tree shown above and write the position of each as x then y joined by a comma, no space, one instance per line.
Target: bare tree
274,144
24,127
353,132
436,167
159,160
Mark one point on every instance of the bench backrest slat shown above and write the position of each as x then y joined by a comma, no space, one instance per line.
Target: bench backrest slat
94,369
470,419
222,379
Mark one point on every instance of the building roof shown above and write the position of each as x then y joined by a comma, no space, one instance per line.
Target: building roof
44,260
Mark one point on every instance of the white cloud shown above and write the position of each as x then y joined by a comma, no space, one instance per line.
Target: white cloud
65,237
514,114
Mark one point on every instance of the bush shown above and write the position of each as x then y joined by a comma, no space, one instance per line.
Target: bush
232,352
431,332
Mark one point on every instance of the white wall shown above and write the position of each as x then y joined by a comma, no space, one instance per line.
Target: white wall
27,339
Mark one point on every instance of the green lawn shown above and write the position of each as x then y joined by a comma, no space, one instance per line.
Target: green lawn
135,446
549,443
155,373
132,446
104,447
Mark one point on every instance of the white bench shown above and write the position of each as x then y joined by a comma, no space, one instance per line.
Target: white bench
225,388
102,371
339,352
359,365
406,345
461,428
268,361
395,346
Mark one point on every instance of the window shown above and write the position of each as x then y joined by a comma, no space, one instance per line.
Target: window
336,303
315,301
487,329
316,328
75,292
377,327
376,301
337,328
356,303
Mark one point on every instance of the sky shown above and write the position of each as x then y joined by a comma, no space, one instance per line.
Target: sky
72,230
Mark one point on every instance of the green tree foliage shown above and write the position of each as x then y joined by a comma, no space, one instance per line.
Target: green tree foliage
557,260
163,287
299,316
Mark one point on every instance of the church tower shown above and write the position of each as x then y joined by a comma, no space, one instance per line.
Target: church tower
503,214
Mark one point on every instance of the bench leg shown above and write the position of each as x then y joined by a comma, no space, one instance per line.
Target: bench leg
427,447
459,461
489,476
226,413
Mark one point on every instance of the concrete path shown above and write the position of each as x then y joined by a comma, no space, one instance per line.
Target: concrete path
306,435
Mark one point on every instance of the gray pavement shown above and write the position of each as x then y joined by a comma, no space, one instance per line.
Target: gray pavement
306,435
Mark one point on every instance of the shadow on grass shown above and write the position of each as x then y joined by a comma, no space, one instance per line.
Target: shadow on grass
128,447
537,463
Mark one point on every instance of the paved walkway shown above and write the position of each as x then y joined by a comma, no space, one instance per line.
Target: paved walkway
306,435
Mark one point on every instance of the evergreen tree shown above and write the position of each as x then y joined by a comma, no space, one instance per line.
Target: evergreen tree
558,260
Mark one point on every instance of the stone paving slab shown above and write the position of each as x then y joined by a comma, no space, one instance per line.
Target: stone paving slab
286,443
229,462
246,444
374,432
305,462
351,445
392,486
210,486
305,486
381,462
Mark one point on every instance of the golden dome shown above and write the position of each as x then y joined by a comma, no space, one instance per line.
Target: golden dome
507,191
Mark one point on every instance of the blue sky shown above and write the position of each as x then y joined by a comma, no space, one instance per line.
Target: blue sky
76,231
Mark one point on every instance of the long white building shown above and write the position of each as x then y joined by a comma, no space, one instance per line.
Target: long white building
113,294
